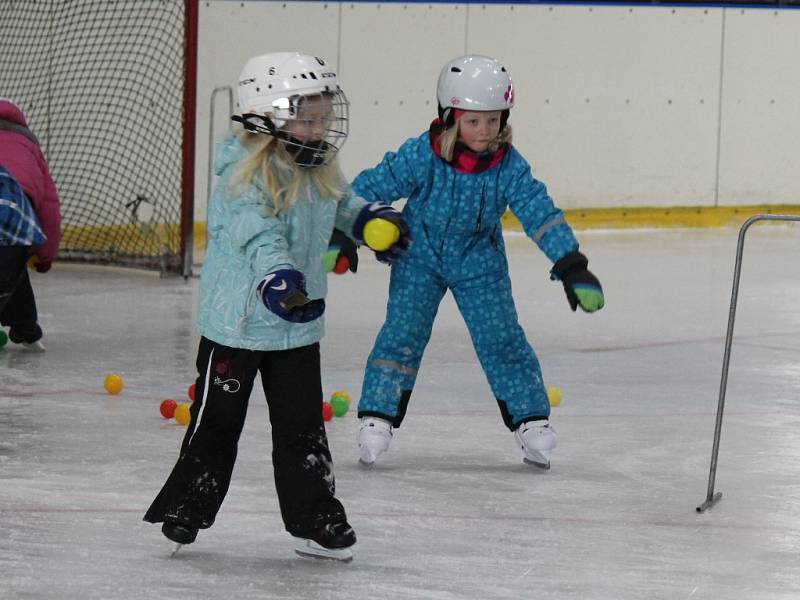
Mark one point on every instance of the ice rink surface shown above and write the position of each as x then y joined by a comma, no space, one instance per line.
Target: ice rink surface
451,512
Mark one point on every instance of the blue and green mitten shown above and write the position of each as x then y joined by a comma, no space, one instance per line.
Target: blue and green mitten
582,288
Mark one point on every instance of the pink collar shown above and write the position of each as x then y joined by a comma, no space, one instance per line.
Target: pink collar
464,159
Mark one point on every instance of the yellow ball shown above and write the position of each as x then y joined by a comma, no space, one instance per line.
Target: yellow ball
341,394
380,234
113,384
554,395
182,415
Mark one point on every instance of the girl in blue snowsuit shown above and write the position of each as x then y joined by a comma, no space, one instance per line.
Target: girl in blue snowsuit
459,178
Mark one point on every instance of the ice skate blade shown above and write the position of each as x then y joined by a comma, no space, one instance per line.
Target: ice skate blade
310,549
544,466
365,465
175,549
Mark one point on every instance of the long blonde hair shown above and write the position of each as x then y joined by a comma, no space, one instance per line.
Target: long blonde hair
282,178
449,137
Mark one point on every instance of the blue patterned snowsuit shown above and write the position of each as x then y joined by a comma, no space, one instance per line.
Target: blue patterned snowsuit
454,218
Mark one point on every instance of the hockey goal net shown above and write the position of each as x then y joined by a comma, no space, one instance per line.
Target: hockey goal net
108,88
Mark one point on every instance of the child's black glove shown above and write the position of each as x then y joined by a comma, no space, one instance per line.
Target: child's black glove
342,254
581,286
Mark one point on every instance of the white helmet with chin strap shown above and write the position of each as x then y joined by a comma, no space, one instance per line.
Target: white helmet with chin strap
272,88
474,82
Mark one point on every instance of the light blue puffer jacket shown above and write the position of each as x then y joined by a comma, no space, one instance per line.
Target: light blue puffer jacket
246,243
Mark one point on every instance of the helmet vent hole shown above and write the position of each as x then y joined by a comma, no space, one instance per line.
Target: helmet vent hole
455,70
503,69
312,75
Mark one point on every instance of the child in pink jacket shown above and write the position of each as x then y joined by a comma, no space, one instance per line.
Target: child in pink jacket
30,223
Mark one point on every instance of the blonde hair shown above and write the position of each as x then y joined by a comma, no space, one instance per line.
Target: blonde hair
449,137
267,158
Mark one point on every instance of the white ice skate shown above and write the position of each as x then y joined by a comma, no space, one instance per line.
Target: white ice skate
374,436
311,549
36,346
536,439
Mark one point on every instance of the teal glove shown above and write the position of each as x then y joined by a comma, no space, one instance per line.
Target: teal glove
582,288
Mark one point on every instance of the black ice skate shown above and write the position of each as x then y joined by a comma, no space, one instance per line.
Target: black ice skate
180,534
331,541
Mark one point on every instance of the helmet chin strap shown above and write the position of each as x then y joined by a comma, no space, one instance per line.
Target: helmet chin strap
304,154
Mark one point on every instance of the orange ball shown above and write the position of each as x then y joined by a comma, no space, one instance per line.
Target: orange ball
191,392
113,384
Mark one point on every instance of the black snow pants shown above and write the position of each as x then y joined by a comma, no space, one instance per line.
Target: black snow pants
17,302
301,459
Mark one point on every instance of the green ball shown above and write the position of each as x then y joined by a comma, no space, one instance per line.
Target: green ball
340,406
330,259
3,338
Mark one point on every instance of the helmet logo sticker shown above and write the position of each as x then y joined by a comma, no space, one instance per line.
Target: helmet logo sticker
455,101
509,95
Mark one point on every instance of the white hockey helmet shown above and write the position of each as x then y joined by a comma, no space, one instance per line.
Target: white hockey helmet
273,86
474,82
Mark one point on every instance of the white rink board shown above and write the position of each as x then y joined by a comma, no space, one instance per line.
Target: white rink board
614,107
760,152
617,106
391,58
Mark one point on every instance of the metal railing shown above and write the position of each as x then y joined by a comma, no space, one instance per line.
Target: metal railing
711,497
212,114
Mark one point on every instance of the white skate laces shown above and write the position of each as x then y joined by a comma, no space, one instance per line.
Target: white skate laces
536,439
374,436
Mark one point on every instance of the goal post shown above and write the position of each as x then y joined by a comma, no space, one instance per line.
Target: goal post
109,89
713,497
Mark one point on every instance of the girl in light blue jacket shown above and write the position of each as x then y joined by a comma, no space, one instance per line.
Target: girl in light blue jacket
262,290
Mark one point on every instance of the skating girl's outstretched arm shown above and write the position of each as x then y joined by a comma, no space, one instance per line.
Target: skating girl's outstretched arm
398,174
541,219
347,211
545,224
